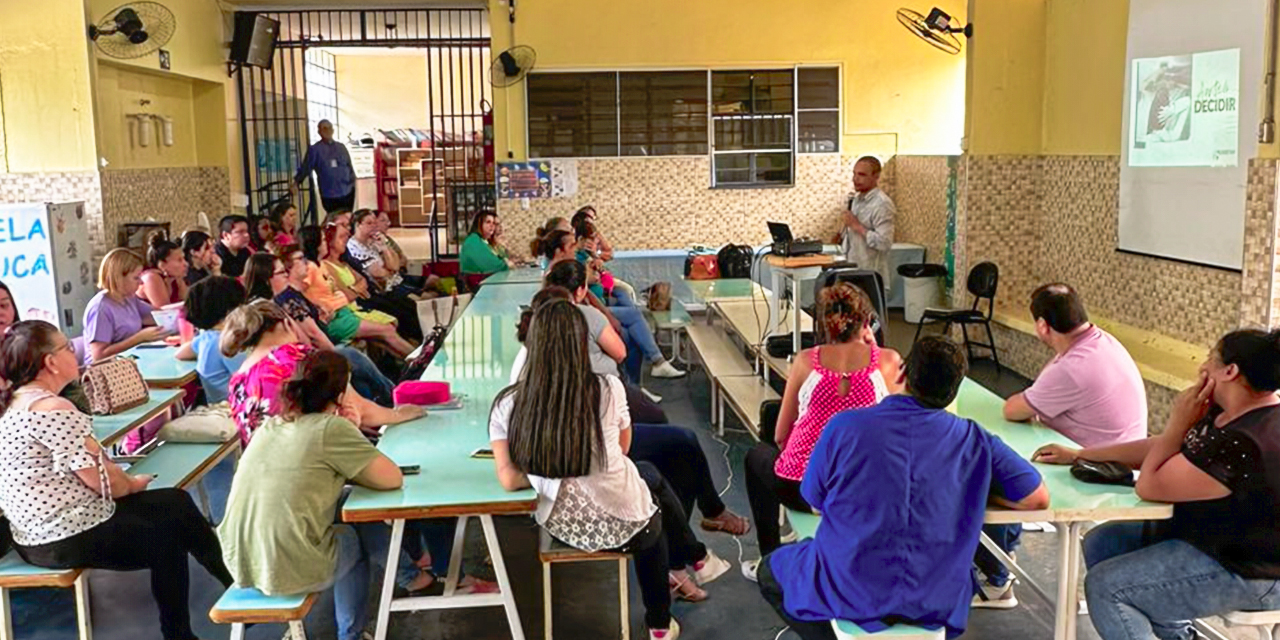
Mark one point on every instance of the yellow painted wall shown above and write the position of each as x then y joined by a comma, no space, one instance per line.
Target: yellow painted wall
900,95
198,48
121,91
46,103
381,92
1006,71
1084,83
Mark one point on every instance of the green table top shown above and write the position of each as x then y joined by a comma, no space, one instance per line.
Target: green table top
708,291
476,361
678,316
160,369
108,429
515,276
1069,499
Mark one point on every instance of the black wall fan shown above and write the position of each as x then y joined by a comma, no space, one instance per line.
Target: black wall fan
934,28
134,30
512,65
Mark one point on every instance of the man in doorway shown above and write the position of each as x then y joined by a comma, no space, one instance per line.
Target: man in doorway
335,176
233,245
866,229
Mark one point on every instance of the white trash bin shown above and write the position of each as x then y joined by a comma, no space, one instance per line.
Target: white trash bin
920,283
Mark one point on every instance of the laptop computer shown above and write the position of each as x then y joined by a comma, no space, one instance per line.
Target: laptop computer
780,231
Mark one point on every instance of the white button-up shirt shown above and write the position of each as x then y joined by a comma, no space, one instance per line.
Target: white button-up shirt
875,211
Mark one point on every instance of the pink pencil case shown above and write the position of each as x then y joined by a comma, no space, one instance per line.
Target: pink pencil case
421,393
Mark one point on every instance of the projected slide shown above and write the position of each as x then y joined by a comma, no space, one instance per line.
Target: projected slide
1186,110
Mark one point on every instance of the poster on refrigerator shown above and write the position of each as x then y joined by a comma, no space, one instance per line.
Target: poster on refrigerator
524,180
26,265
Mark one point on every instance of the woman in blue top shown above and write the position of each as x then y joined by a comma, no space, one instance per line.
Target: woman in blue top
207,305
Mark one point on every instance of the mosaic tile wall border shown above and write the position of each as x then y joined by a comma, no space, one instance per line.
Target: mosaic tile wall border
171,195
69,186
665,203
1054,218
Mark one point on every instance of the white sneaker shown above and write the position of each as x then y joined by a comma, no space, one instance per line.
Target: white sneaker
786,534
750,569
665,370
653,397
670,633
993,597
713,566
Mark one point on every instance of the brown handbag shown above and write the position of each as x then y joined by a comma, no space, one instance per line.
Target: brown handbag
113,386
660,296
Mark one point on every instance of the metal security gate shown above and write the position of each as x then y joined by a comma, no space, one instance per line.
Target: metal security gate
280,106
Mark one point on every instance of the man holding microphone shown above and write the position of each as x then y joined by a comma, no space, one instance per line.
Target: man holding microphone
866,230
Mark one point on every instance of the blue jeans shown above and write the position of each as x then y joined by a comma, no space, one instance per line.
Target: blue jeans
365,377
351,581
635,331
1142,582
1007,537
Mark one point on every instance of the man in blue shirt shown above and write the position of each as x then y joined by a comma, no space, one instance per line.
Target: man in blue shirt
902,487
334,174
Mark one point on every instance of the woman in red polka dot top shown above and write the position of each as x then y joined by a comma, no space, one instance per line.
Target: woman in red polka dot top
848,371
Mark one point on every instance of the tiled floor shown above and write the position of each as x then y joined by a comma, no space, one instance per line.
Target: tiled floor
584,608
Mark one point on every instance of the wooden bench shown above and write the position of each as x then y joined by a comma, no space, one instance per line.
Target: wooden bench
745,395
238,607
806,526
1167,365
552,551
724,362
17,574
1267,623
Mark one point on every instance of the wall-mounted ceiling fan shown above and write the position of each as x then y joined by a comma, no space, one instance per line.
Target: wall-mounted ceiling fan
935,28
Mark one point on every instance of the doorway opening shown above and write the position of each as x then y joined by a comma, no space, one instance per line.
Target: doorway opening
408,93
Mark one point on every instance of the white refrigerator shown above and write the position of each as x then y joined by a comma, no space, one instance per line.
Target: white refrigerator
46,259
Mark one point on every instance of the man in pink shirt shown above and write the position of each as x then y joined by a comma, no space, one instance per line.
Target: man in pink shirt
1090,392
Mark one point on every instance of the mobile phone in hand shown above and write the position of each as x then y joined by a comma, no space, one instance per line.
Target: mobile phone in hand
410,469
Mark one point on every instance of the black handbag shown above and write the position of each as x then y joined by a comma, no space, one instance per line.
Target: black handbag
431,344
735,261
781,346
1102,472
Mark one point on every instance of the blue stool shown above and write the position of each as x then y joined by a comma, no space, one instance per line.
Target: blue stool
17,574
238,607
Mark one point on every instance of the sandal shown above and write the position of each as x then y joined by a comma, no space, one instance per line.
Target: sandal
728,522
472,584
684,588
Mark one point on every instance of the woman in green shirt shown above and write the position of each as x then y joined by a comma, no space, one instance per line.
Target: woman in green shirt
479,255
280,534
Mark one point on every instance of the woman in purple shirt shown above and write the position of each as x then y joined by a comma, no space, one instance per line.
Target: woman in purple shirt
116,320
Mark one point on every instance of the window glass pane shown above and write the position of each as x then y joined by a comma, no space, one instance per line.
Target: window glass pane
767,91
663,113
772,168
747,132
819,131
572,114
733,169
746,169
819,88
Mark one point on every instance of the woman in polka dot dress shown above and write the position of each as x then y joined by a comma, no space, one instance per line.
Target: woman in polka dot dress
848,371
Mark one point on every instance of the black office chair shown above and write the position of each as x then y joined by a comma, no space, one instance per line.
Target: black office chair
983,280
871,283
